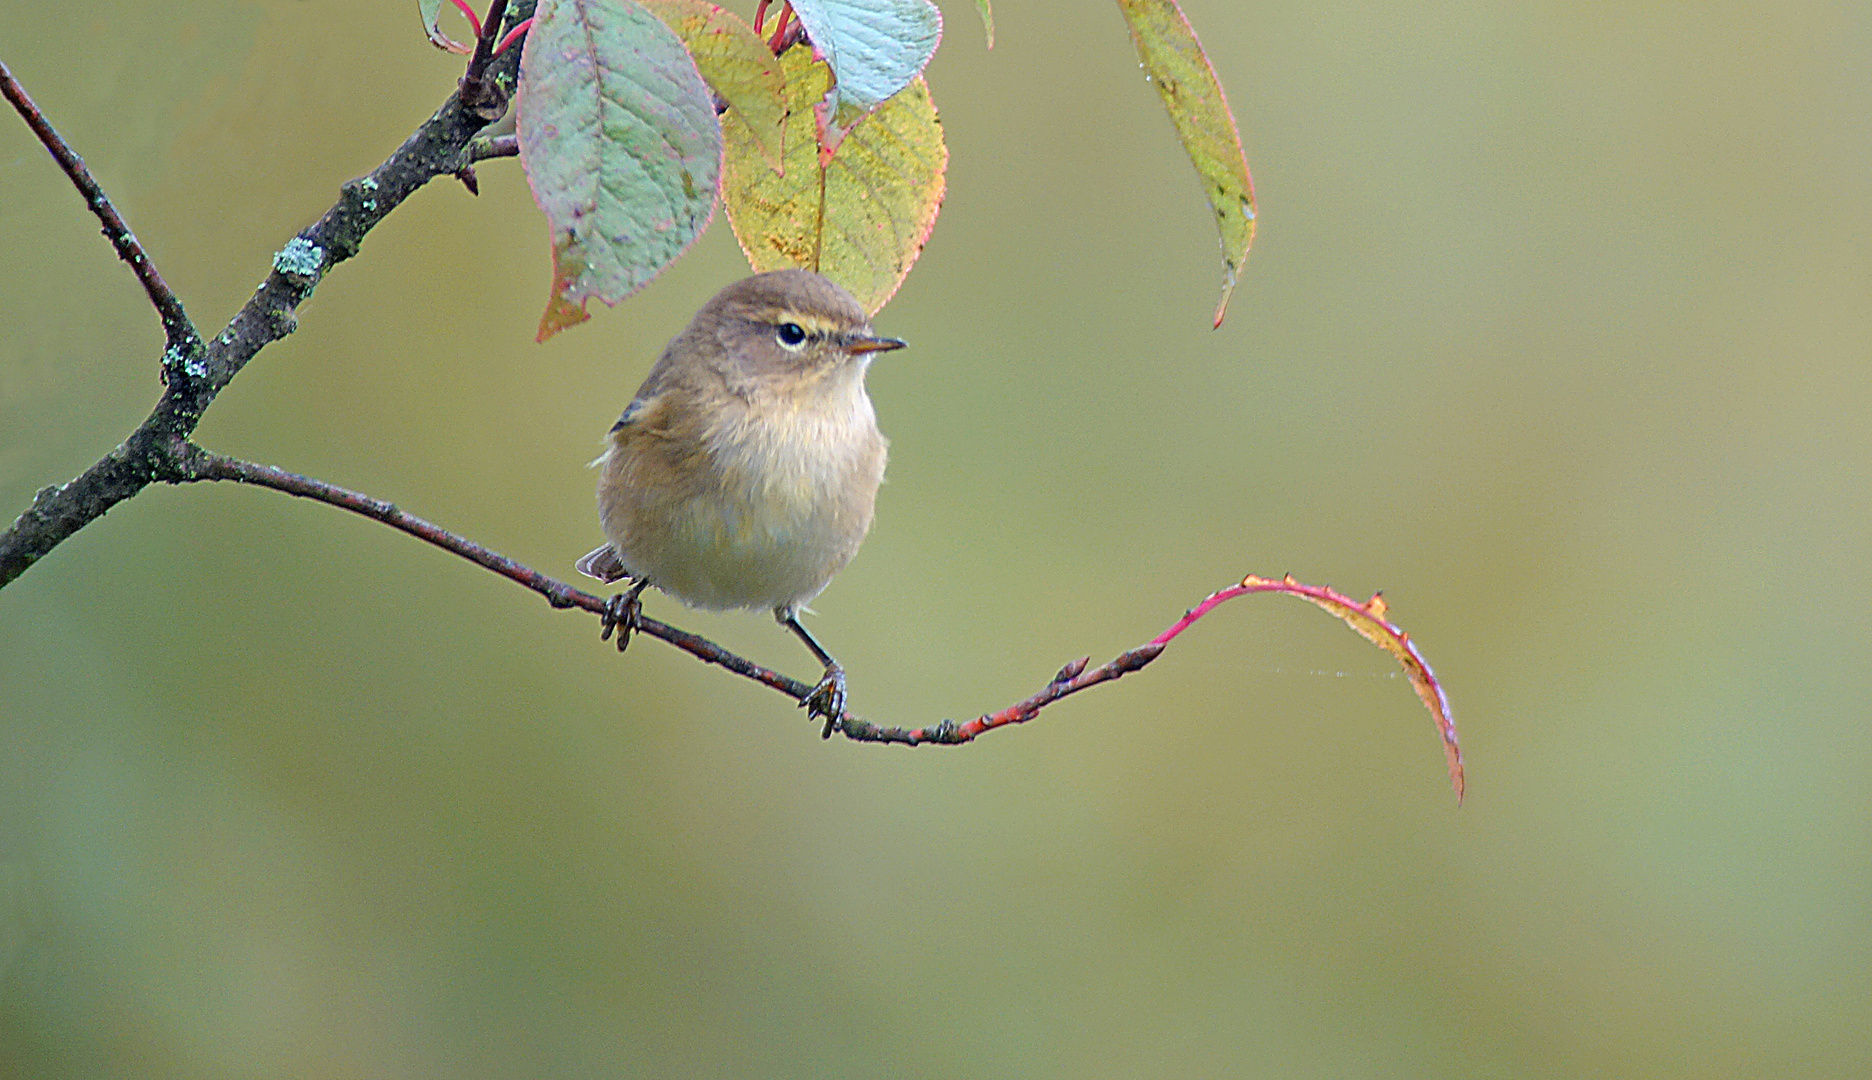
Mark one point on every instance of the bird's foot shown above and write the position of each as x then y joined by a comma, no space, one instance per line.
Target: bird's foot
620,614
827,700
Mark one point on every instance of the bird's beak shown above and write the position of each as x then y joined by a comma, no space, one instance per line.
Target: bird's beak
859,344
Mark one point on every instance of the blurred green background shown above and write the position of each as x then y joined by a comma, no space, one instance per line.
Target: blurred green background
1557,330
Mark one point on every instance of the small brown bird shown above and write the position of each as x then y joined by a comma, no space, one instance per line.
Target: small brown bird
744,473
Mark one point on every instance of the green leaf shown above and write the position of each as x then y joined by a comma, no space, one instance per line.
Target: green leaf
431,12
987,14
621,148
875,48
736,64
862,218
1174,61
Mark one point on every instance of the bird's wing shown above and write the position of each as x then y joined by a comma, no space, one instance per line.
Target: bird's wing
641,408
631,412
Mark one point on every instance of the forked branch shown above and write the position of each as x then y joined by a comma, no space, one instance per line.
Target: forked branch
194,371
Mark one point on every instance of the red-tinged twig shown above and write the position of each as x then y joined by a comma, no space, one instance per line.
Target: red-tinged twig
474,21
774,44
183,339
1073,678
520,28
760,13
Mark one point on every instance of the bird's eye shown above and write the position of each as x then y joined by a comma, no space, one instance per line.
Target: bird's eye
791,334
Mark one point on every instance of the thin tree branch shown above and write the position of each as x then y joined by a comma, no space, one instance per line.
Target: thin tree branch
183,339
204,465
199,464
192,379
498,146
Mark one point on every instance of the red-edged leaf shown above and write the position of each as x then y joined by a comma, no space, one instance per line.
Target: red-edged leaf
621,148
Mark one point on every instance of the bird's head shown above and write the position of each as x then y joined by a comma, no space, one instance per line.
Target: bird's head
791,327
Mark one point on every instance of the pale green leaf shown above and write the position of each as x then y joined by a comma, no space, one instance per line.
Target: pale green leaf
1175,62
875,48
431,12
879,196
987,14
736,64
621,147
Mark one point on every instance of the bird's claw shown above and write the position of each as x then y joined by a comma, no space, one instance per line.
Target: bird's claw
620,614
827,699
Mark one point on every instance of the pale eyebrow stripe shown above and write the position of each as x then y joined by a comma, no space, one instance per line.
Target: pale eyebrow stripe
812,324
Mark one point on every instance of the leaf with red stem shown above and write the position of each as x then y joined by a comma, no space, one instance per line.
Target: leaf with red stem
431,12
1368,620
780,24
513,35
621,147
1174,61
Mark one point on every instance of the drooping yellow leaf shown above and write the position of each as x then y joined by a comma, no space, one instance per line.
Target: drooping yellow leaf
736,64
1175,62
879,195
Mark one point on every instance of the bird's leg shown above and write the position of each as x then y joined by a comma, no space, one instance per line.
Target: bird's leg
620,614
828,698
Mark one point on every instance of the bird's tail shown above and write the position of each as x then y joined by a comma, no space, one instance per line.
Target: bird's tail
604,565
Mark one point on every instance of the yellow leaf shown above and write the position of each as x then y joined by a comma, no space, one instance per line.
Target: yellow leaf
736,64
860,220
1175,62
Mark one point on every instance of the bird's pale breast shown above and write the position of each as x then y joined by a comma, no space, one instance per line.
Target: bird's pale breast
755,506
